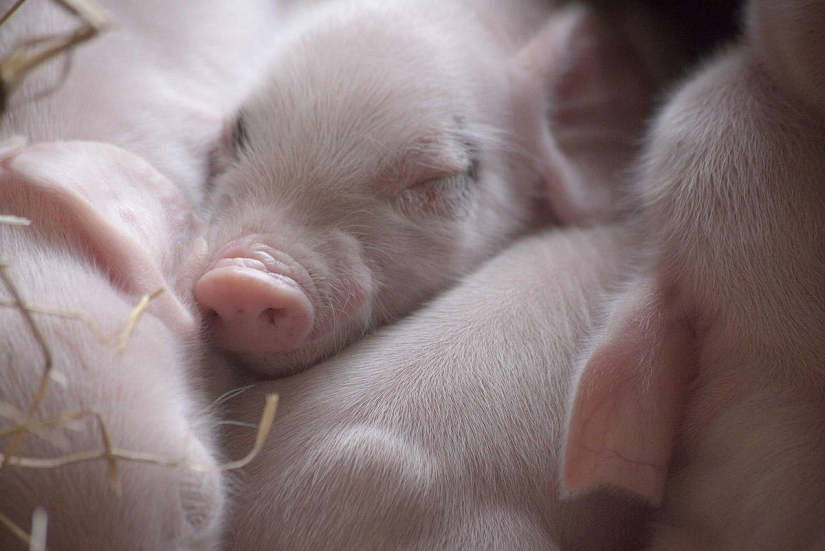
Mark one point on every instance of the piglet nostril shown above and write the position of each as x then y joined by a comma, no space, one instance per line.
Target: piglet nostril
272,315
251,310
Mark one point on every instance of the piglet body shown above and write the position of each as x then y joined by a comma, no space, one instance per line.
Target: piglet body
442,431
106,229
705,392
395,145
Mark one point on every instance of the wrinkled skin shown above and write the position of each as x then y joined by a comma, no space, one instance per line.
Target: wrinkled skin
706,391
444,430
106,229
392,147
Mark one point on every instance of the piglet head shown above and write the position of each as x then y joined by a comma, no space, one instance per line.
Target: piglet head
374,167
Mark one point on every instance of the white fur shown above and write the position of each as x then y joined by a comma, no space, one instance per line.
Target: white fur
442,431
731,411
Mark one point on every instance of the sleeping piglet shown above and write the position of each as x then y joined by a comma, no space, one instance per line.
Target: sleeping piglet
105,230
445,429
394,146
706,391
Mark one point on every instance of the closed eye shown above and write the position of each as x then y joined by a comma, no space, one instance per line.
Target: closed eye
240,137
448,197
473,170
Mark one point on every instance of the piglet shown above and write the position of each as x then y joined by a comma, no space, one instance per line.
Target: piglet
444,430
393,147
105,229
706,391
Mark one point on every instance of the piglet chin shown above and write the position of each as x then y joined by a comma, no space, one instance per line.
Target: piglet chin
252,309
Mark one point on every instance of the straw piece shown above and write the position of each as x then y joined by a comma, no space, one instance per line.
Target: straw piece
16,530
134,318
14,220
61,420
90,12
44,381
40,525
78,316
122,335
37,540
11,11
111,453
35,52
39,429
26,424
265,426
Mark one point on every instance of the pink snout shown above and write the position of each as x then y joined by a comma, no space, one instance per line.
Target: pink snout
251,309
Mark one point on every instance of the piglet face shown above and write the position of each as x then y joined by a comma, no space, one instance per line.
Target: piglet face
354,189
380,161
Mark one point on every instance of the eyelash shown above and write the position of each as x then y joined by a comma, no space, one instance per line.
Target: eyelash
448,197
240,138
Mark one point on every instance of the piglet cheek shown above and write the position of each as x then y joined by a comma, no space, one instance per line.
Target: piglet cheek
250,309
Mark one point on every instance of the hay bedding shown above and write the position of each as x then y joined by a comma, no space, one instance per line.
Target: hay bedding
14,66
26,423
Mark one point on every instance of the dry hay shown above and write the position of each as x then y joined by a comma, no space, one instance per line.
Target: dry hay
109,452
26,423
32,53
13,68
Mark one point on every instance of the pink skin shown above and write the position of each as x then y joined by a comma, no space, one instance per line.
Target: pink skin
705,391
150,85
350,192
106,229
436,433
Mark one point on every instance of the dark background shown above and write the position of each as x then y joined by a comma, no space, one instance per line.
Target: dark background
704,23
671,36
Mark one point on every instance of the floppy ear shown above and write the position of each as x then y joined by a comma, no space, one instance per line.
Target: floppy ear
630,397
583,101
133,221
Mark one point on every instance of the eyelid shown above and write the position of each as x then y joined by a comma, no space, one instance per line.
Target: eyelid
240,136
473,169
447,197
446,169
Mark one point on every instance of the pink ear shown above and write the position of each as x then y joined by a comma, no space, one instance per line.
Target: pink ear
133,220
629,399
585,98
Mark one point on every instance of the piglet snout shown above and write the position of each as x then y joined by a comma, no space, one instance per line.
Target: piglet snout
251,308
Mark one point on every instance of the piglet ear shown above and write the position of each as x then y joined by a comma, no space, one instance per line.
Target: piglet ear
629,399
583,101
135,223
